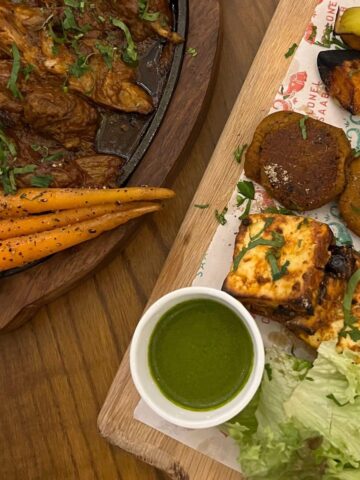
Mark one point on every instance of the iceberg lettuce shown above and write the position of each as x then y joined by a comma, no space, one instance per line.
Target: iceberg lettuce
302,423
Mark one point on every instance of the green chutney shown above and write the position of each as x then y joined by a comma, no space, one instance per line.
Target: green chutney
200,354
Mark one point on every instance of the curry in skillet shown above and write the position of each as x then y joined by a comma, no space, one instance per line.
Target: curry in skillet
63,64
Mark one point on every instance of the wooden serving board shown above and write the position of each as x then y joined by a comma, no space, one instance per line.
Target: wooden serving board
22,294
116,422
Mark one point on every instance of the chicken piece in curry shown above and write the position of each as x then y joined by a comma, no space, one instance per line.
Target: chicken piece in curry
63,63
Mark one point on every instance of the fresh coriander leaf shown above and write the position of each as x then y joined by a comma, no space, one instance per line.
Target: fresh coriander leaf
27,71
201,206
354,334
246,211
276,271
347,301
41,181
247,189
101,18
291,50
300,364
24,170
80,66
52,158
7,143
239,152
277,241
220,216
192,51
130,55
313,33
280,210
328,39
12,83
240,200
303,222
303,127
268,221
143,6
71,3
107,52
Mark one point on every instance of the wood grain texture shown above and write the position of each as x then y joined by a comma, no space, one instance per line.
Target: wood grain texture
116,421
55,371
24,293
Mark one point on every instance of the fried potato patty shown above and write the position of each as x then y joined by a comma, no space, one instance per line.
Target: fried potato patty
299,161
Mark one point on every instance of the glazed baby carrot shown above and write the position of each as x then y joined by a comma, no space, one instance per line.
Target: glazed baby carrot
15,227
37,200
18,251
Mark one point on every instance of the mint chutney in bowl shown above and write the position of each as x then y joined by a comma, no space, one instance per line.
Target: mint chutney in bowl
197,357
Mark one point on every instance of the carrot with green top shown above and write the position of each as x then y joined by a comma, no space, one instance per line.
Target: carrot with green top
36,200
19,251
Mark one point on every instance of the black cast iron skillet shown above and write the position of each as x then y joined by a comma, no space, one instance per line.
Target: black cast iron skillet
130,135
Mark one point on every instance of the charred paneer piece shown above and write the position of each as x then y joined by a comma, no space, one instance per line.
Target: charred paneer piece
279,264
328,318
287,153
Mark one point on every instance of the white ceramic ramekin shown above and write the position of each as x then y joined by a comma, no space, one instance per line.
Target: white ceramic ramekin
149,390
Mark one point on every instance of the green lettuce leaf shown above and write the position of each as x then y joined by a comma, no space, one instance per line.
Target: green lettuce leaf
330,404
288,432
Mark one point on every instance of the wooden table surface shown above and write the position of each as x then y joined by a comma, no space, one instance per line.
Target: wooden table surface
56,370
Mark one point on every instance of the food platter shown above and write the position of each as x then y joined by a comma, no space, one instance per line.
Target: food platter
59,272
117,425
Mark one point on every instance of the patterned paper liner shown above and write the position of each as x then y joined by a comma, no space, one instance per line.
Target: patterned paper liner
302,91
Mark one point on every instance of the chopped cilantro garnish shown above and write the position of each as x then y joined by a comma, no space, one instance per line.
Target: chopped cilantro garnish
107,52
71,3
291,50
304,222
7,172
80,66
256,240
276,241
239,152
246,191
202,206
41,181
276,271
27,71
313,33
280,210
143,6
220,216
328,39
192,51
349,320
24,170
303,127
12,85
129,55
52,158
